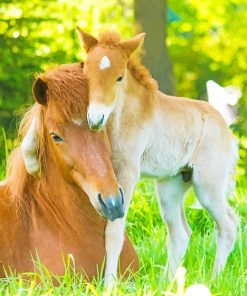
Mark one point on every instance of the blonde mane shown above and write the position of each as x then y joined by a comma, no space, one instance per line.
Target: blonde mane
142,74
136,68
109,38
67,96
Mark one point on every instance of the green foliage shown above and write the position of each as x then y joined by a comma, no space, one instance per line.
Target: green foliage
208,42
36,33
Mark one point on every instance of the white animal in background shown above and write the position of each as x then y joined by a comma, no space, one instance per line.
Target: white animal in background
223,99
193,290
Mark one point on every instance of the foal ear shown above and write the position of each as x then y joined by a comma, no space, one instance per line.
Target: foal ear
86,40
39,91
132,44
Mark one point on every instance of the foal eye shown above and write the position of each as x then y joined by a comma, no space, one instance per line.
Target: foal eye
120,78
56,138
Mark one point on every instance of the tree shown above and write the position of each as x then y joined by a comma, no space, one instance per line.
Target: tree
151,18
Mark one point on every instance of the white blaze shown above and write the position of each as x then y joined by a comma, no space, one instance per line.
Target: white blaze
105,63
29,147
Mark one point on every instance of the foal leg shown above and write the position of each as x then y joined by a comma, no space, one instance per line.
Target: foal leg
170,193
211,192
114,233
114,239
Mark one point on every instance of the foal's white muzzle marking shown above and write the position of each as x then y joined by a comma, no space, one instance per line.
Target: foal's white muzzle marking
29,148
98,114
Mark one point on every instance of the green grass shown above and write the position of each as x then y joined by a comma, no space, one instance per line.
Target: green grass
148,234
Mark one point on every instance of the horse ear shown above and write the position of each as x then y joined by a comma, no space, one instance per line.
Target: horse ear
132,44
39,91
87,40
29,148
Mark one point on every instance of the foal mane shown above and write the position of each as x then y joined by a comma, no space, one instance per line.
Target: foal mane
67,96
136,68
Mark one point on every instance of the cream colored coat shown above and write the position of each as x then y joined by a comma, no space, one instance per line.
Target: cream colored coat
157,135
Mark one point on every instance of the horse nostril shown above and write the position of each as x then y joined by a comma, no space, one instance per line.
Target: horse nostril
111,207
122,195
101,202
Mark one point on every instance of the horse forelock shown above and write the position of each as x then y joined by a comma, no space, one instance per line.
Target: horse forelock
67,93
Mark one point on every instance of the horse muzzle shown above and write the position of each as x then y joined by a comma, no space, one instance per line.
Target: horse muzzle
96,125
97,115
112,207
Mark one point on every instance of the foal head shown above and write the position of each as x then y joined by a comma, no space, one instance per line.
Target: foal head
105,67
83,157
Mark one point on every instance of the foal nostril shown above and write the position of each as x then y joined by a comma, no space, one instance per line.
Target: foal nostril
101,120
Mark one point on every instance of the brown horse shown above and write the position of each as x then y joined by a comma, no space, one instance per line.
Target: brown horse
48,213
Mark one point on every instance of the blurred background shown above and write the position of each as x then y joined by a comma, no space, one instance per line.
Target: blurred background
188,43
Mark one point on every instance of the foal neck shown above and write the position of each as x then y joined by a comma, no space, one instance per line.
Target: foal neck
136,101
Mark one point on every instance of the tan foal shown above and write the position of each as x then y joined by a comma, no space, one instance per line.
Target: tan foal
179,141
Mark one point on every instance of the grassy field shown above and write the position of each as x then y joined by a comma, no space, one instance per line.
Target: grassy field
148,234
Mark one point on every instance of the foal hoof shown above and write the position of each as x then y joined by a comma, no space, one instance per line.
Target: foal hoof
109,282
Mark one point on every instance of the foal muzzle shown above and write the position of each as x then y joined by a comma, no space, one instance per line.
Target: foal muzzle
96,125
97,115
112,207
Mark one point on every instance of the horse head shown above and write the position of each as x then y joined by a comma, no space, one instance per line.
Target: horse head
105,67
83,156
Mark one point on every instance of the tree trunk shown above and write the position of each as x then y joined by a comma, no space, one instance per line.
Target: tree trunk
151,18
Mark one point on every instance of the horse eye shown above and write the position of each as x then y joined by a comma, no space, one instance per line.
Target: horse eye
56,138
120,78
